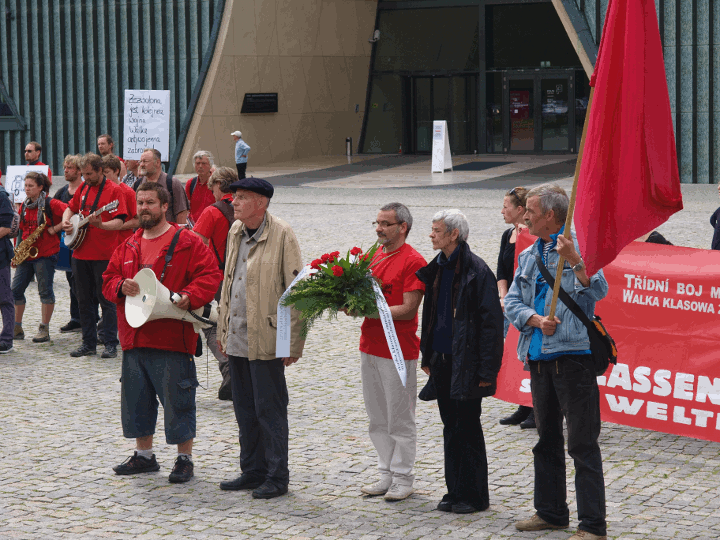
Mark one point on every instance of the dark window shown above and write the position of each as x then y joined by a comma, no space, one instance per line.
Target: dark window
384,123
442,39
523,35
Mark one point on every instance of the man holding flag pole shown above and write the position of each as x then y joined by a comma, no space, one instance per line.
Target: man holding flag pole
626,186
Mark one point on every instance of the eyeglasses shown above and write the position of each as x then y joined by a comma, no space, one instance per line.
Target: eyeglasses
384,224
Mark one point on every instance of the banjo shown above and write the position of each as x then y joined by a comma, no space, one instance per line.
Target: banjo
74,238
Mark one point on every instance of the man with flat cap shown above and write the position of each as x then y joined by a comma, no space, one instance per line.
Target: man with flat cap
262,259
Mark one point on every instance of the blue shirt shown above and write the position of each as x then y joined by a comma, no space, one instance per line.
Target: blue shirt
241,151
442,333
541,290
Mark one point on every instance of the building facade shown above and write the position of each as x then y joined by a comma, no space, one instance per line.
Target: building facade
509,76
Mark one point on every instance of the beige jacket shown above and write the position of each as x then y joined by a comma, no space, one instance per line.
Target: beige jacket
272,265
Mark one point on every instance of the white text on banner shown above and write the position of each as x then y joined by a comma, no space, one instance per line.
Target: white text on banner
390,334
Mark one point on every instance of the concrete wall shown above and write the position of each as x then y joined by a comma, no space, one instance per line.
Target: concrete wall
314,53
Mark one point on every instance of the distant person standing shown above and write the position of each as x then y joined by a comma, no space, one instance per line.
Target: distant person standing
197,188
715,222
241,153
32,156
106,147
132,172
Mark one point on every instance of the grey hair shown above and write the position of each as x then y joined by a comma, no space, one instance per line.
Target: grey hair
204,154
402,214
454,219
223,177
552,197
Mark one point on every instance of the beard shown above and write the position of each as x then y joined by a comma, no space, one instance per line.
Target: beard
148,221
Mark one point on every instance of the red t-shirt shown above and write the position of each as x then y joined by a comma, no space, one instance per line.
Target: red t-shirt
215,227
396,271
48,244
201,198
150,249
49,174
98,244
131,206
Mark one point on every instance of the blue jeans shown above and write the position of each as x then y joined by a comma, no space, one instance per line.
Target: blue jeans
44,269
7,308
152,374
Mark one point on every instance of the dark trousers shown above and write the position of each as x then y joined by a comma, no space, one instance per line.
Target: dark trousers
568,387
241,168
466,468
74,308
7,307
260,400
88,290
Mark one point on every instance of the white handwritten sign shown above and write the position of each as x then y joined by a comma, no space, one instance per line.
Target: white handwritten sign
15,183
147,123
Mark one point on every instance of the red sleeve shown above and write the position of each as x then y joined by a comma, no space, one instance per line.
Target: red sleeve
57,208
112,277
205,276
122,210
412,283
206,223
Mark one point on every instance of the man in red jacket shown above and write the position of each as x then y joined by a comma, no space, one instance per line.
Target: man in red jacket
158,356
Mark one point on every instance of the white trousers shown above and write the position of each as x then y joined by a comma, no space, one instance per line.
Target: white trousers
391,410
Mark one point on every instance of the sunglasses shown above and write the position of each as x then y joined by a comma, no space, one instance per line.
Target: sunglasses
513,192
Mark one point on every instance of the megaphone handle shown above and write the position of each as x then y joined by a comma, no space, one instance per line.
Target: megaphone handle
175,297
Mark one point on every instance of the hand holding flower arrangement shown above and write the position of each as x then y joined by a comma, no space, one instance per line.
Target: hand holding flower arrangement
339,284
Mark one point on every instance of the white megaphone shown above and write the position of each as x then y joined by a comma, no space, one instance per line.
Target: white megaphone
155,302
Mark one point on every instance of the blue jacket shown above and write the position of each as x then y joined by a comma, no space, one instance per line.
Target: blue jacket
6,217
571,334
241,151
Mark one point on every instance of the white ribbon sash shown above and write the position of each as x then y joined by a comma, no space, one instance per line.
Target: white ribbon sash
282,340
390,334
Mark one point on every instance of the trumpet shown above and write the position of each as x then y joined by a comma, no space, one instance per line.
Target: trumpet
25,249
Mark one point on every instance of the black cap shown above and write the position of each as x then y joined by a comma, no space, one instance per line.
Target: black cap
257,185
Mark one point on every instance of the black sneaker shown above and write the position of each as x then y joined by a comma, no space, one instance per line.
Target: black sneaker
109,352
72,326
83,350
529,423
182,471
6,348
137,464
517,417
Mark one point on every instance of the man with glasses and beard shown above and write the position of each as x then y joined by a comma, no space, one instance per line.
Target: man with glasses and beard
157,359
390,405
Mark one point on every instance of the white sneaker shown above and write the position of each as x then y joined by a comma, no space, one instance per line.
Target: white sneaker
398,492
378,488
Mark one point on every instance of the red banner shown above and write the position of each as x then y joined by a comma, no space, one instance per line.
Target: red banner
663,310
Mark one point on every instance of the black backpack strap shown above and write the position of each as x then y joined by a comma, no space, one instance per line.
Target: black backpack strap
193,183
137,183
565,297
227,210
168,184
169,254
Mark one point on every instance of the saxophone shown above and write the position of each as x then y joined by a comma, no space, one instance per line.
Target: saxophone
26,249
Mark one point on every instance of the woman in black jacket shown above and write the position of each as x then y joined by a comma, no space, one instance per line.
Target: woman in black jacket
513,212
462,347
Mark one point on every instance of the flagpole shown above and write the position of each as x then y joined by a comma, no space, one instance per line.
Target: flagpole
571,207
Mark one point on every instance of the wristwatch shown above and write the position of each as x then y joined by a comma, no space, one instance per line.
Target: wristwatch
579,266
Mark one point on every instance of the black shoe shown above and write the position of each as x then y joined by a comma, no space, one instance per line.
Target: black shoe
109,352
241,482
182,471
72,326
529,423
83,350
6,347
225,393
517,417
463,508
445,506
269,491
137,464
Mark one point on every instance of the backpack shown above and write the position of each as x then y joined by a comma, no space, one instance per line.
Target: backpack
227,210
15,223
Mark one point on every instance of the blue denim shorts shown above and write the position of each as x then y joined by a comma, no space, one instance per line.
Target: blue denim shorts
149,375
44,269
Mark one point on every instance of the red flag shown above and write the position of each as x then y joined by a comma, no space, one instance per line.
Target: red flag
629,181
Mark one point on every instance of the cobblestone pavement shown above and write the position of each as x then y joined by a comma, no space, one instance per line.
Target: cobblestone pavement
61,430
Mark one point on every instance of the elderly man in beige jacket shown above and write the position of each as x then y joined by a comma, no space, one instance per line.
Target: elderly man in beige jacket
263,258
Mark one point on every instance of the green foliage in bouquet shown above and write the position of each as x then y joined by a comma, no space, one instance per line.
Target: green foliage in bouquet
339,283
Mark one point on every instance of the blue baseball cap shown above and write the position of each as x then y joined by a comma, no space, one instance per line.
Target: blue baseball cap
257,185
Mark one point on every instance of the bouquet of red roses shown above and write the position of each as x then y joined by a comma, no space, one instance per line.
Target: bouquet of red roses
338,283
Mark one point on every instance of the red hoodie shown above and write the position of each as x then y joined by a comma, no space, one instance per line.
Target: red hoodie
193,271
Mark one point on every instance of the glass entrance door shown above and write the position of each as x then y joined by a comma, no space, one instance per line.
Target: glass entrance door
443,98
538,116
